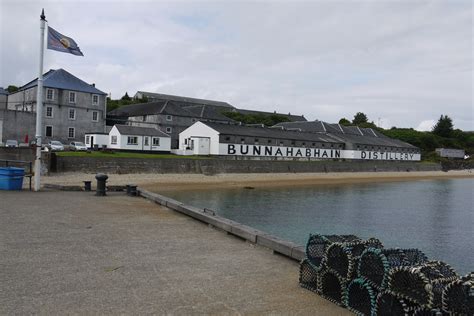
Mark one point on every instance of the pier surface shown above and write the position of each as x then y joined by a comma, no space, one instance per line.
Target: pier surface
74,253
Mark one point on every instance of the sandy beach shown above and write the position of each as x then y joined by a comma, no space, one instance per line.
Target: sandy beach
173,182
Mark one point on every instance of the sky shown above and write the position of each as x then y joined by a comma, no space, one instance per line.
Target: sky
402,63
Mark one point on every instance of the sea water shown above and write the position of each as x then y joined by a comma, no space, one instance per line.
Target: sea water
436,216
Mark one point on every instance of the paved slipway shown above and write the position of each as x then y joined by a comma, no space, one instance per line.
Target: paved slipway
74,253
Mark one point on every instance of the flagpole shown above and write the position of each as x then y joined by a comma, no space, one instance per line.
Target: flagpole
39,107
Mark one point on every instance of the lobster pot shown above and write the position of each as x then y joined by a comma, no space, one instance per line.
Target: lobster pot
415,256
375,264
419,283
344,257
360,297
458,296
309,277
317,245
389,304
339,259
332,287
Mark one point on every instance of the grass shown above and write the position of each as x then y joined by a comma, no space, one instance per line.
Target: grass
111,154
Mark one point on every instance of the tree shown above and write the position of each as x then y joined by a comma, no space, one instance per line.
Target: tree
126,97
444,126
12,89
360,118
344,122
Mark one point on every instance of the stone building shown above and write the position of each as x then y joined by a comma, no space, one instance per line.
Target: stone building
71,108
173,114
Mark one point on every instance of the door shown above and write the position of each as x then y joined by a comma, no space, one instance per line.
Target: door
202,146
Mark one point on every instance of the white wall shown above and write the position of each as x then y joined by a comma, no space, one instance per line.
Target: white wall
99,139
122,142
200,129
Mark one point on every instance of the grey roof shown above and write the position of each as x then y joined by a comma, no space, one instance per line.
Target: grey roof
140,131
252,131
165,97
3,91
353,134
205,112
291,117
61,79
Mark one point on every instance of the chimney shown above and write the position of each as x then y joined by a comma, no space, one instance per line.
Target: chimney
93,85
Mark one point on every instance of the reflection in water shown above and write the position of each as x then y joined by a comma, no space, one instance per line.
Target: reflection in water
433,215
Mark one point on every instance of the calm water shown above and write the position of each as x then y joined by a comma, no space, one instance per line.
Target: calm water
435,216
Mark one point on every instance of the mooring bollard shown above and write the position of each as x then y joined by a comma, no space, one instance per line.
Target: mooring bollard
87,185
101,180
131,189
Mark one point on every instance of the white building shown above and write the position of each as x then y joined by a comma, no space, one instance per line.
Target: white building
98,140
127,137
206,138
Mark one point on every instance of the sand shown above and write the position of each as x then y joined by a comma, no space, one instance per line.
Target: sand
173,182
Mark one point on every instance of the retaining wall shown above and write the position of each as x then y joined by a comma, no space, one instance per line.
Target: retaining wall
215,166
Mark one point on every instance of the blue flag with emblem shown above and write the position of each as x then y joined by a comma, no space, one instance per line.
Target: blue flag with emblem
61,43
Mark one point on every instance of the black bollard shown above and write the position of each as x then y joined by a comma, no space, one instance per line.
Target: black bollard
87,185
101,180
131,189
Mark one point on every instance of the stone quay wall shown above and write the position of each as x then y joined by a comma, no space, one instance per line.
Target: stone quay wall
216,166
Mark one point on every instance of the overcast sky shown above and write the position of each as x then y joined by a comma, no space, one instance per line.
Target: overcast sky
403,63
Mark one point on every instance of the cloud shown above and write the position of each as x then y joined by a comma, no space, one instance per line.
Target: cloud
399,61
426,125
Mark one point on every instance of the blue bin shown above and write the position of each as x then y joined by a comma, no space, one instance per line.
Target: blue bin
11,178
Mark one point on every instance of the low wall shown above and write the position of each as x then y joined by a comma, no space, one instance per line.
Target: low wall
18,153
215,166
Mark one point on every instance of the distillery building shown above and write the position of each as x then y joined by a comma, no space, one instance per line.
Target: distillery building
295,140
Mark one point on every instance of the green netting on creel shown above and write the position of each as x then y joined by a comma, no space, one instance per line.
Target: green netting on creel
317,245
458,296
309,278
340,260
344,257
419,283
360,297
332,287
388,304
375,264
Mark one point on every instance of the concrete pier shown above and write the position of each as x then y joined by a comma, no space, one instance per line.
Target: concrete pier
74,253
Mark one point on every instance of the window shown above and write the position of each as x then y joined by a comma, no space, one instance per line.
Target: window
227,138
88,139
132,140
168,129
71,132
256,141
72,114
146,141
169,118
95,116
156,141
144,118
113,139
72,97
95,99
49,131
49,111
49,94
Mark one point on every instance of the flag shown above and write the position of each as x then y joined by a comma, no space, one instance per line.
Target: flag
61,43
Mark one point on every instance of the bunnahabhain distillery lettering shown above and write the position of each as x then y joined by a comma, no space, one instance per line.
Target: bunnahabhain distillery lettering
312,153
274,151
387,155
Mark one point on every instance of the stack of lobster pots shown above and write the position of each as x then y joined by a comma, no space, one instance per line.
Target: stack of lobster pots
370,280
